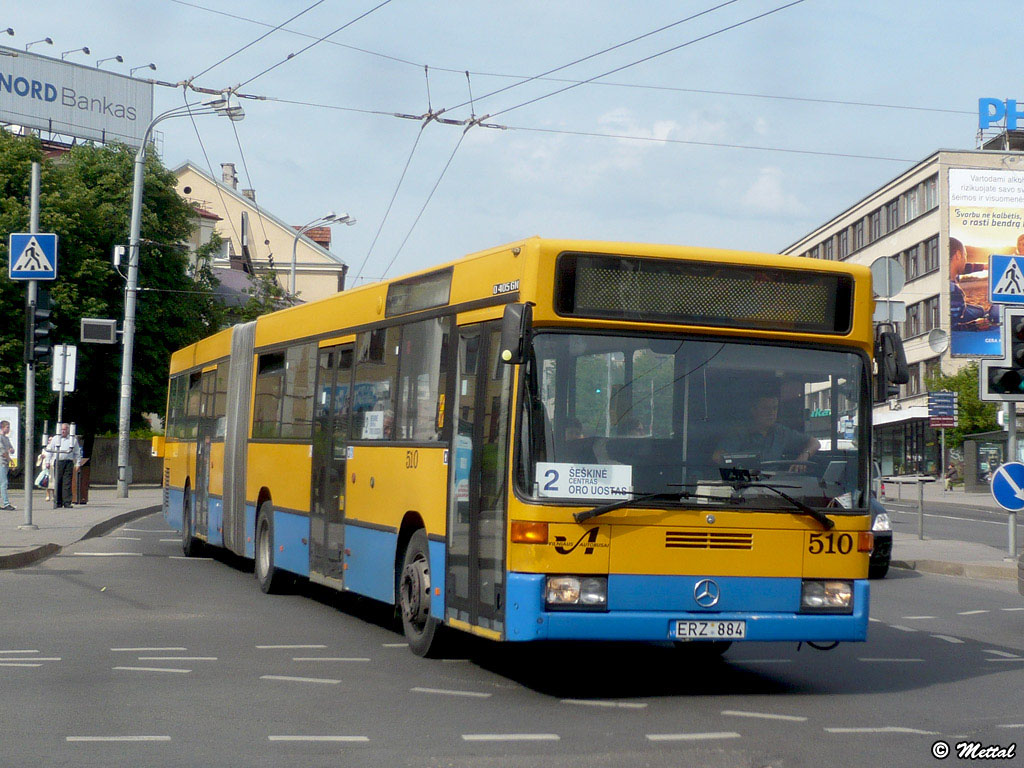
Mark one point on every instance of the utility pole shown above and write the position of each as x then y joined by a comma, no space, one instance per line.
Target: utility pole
30,369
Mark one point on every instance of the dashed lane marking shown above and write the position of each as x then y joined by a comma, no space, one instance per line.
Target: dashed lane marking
447,692
117,738
917,618
1003,654
290,679
327,658
901,628
150,650
511,737
18,664
607,704
711,735
877,660
101,554
395,645
358,739
764,715
970,613
177,658
886,729
949,639
154,669
13,651
287,647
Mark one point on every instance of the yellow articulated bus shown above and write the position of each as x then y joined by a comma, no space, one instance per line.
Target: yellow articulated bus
551,440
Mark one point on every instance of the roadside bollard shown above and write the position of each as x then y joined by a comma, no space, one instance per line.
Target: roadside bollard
920,508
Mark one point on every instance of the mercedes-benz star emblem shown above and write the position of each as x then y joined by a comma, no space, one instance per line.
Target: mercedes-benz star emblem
706,593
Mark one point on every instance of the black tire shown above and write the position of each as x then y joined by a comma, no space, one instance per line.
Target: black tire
268,576
421,629
878,570
190,545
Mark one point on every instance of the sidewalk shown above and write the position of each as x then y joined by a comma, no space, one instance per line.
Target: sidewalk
58,528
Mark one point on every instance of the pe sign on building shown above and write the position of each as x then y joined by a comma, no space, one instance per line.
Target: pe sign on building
73,100
986,218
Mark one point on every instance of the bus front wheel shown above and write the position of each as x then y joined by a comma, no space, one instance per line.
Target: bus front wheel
267,575
421,629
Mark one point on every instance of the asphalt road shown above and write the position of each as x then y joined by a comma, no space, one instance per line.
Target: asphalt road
119,652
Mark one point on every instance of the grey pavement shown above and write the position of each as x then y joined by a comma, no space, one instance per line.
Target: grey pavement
58,528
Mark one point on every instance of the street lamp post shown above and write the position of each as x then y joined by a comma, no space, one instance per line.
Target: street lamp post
330,218
224,105
133,70
84,49
47,40
119,59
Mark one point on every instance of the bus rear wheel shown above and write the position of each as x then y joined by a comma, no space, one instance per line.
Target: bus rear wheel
267,574
420,628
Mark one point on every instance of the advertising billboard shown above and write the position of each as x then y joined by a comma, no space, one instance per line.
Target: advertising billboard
986,217
74,100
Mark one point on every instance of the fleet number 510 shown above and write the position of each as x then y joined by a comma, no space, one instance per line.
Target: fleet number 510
830,544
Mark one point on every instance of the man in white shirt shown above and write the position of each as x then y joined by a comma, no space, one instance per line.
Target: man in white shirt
64,452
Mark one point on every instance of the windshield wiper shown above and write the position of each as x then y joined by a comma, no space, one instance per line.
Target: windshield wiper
821,517
611,506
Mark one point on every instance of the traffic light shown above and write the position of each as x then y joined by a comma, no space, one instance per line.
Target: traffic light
1010,380
38,344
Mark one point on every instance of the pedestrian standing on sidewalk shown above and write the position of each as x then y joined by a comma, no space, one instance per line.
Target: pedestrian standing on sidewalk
64,451
950,476
6,454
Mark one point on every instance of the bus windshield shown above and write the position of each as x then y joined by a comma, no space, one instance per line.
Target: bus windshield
720,422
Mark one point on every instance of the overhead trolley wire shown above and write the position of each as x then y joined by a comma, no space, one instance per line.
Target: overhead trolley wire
319,40
598,53
261,37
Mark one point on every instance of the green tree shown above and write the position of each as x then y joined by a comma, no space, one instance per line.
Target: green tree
86,200
975,415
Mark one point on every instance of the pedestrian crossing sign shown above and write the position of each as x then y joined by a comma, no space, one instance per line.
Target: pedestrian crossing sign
1006,279
32,256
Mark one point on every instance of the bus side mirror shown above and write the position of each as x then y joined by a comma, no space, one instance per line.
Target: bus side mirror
892,360
515,331
156,449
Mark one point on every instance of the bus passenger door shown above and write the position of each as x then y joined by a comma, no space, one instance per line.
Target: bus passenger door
477,477
330,443
206,428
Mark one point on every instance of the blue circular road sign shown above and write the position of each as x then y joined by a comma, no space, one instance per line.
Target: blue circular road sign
1008,486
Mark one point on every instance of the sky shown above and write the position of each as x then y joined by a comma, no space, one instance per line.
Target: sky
744,127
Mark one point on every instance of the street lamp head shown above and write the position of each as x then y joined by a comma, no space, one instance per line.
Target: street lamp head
10,31
133,70
84,49
47,40
119,59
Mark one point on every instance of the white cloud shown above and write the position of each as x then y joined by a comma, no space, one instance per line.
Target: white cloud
766,194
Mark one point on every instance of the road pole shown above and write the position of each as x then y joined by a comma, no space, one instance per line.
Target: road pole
30,369
1011,455
920,508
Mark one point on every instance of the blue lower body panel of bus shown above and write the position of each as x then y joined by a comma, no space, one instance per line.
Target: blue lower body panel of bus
647,608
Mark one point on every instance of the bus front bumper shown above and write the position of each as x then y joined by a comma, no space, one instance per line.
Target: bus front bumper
760,603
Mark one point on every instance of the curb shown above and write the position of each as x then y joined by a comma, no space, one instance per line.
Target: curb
969,570
44,551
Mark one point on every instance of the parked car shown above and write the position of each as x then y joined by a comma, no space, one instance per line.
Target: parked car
881,526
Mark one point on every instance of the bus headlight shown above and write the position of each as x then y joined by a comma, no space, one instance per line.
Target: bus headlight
580,592
827,596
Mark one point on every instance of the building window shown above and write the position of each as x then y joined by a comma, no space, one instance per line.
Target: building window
876,225
844,244
931,313
914,383
931,193
858,235
813,253
931,251
911,263
826,249
892,216
913,324
932,369
913,204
